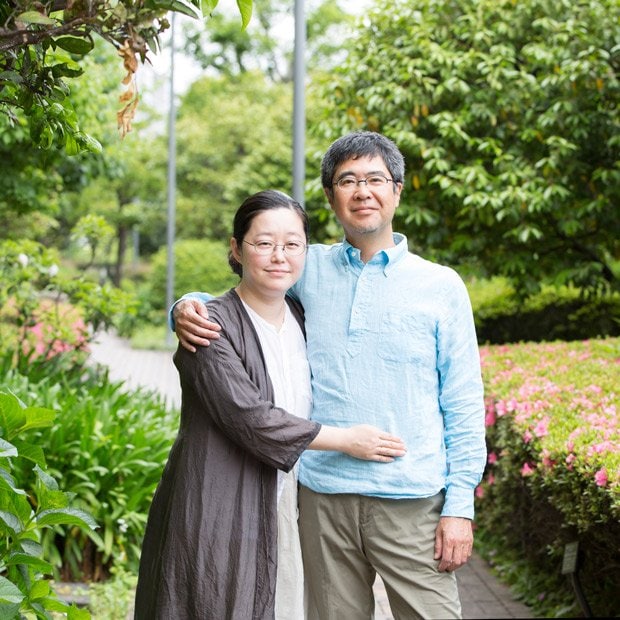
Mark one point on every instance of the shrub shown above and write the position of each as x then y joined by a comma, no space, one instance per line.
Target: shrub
109,448
555,313
553,475
200,265
31,503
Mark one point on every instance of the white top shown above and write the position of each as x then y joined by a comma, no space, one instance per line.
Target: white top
284,350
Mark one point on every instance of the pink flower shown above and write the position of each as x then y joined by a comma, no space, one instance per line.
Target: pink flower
490,479
527,470
527,436
479,492
492,458
540,430
600,477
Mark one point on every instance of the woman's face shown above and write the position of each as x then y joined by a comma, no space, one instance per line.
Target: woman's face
274,272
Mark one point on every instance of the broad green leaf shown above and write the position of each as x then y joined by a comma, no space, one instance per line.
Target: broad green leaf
75,45
66,516
30,451
9,593
11,521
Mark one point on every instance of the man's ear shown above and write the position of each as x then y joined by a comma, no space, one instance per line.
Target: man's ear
329,193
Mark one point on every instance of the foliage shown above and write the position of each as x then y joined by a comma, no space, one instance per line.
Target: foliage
507,115
109,448
44,313
113,599
242,146
199,265
554,457
41,43
554,313
30,506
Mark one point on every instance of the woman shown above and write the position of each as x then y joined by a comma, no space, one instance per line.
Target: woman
212,543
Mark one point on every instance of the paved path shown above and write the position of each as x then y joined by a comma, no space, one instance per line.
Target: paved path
482,595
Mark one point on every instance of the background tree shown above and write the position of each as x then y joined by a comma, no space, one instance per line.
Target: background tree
507,114
40,42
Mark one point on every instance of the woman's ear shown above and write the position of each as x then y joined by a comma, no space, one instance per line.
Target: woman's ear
234,248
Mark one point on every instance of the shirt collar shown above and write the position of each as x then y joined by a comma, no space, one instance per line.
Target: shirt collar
389,257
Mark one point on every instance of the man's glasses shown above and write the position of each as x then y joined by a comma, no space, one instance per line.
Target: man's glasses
349,182
292,248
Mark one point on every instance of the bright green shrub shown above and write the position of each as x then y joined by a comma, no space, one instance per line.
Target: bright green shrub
31,505
200,265
553,475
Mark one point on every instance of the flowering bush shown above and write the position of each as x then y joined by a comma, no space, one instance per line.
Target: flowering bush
45,315
553,473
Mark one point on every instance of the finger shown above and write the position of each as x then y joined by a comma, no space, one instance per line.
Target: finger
188,346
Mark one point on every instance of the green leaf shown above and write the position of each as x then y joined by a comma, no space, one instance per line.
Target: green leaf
34,17
178,6
30,451
40,589
48,481
11,521
7,449
66,516
39,565
9,593
245,7
75,45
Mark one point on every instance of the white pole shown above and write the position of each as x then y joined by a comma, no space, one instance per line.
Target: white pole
299,108
171,184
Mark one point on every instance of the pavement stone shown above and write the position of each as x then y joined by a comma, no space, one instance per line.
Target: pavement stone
482,594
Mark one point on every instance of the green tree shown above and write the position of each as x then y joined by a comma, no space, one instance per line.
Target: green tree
242,145
42,41
507,113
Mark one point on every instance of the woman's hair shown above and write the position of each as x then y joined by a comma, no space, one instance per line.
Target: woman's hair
255,204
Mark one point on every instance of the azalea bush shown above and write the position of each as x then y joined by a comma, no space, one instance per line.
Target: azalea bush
553,474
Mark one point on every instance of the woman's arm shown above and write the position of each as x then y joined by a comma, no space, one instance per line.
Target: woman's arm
362,441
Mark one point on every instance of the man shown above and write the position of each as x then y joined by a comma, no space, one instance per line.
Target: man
391,342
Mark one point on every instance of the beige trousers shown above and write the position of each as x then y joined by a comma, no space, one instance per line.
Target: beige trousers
347,539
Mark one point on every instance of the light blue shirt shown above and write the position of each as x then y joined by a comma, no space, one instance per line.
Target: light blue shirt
392,343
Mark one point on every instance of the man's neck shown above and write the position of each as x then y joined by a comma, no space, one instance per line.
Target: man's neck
369,246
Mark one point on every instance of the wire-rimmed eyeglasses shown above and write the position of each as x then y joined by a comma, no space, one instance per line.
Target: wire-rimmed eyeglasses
292,248
349,182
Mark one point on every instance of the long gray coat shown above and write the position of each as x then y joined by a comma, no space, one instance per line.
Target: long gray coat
210,546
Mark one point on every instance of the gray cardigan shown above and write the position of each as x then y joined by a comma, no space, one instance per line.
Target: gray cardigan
210,547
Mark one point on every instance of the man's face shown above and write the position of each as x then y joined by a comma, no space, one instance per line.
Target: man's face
365,210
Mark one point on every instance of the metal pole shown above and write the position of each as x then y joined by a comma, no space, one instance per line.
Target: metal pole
171,184
299,108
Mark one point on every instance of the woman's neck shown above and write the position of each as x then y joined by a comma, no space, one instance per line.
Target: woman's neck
272,309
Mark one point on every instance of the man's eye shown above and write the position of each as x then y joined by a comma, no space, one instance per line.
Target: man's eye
346,182
376,180
293,245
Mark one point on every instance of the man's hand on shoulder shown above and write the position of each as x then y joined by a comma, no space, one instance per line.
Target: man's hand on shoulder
192,325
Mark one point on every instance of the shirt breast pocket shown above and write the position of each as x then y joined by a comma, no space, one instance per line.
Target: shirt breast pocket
406,338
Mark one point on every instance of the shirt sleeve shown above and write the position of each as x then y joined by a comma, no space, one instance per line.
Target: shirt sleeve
216,379
204,297
461,398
